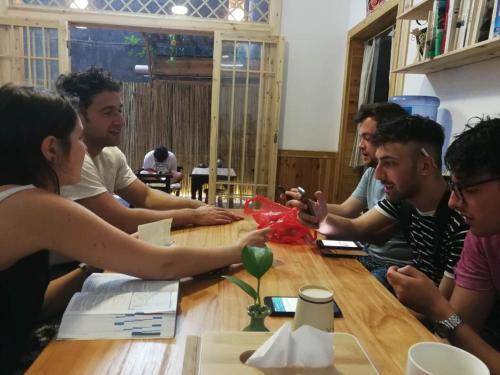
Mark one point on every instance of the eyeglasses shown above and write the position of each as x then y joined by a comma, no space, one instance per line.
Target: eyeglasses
457,187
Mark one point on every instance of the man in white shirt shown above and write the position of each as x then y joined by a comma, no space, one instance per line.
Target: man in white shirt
161,160
105,169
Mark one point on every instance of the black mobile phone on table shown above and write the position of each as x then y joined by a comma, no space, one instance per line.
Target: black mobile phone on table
286,306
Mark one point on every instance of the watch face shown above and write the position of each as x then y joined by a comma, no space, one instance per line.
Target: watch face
445,328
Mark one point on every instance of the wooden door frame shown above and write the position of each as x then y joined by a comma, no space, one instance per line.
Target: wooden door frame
373,24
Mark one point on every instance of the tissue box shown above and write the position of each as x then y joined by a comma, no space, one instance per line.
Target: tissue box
219,353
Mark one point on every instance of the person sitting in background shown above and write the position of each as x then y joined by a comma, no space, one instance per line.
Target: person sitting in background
409,167
160,160
370,191
474,163
41,148
105,169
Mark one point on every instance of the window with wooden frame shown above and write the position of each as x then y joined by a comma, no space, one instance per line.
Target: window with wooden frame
31,53
255,11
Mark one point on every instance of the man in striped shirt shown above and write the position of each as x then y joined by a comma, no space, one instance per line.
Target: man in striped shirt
409,167
369,192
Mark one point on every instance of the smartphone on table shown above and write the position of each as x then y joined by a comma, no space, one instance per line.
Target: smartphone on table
340,248
285,306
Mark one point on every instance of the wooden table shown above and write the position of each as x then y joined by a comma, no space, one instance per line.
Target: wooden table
199,176
207,303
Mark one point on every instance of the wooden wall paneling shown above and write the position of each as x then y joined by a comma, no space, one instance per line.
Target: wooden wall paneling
313,170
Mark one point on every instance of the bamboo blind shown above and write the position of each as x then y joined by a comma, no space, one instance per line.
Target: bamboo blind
177,114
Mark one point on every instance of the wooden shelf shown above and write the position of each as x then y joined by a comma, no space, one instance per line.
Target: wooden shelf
418,12
382,18
486,50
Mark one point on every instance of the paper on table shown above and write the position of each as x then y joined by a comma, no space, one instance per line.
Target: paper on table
305,347
116,282
117,306
122,303
156,233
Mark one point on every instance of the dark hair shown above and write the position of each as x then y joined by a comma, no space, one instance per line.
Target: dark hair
380,112
412,128
29,115
82,86
475,151
160,154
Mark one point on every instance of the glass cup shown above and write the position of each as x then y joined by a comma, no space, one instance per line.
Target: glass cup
314,308
427,358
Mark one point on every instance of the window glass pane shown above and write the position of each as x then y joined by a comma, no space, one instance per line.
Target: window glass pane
228,10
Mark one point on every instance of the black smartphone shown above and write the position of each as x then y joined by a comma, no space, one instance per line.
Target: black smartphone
308,201
285,306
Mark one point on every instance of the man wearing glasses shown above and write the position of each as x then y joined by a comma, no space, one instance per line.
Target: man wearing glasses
409,167
474,162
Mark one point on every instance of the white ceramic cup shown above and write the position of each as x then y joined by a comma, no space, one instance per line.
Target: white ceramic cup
314,308
435,358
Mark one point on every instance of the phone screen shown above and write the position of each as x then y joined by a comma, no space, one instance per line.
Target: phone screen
342,244
284,304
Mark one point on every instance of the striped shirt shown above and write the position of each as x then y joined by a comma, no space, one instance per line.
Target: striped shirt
422,227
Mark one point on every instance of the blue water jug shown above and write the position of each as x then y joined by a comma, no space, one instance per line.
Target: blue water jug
426,106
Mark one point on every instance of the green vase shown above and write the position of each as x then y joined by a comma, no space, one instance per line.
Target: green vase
258,314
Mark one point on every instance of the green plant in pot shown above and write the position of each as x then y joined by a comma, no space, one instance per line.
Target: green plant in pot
257,261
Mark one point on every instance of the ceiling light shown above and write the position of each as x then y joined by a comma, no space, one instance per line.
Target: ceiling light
179,9
81,27
79,4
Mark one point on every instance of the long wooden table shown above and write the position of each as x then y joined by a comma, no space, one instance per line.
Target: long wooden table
208,303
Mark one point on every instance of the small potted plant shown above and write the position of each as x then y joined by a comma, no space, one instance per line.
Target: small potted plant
256,260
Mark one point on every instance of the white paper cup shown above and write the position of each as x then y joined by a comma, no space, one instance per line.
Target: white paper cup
314,308
435,358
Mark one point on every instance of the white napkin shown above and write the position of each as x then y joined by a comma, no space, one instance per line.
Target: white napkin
156,233
305,347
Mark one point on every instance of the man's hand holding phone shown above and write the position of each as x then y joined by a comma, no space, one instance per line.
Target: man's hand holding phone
311,213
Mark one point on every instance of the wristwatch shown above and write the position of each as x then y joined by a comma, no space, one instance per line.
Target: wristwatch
444,328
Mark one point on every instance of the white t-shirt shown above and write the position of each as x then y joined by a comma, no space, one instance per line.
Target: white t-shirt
168,166
108,171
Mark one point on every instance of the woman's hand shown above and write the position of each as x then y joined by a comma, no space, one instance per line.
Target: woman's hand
254,238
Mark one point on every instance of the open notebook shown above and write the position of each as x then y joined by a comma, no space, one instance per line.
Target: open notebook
116,306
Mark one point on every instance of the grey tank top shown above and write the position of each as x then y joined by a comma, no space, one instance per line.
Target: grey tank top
13,190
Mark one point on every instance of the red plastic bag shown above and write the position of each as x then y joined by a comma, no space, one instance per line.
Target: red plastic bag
285,227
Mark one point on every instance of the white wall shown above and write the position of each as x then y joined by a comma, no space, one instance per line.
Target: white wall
357,11
465,92
315,35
